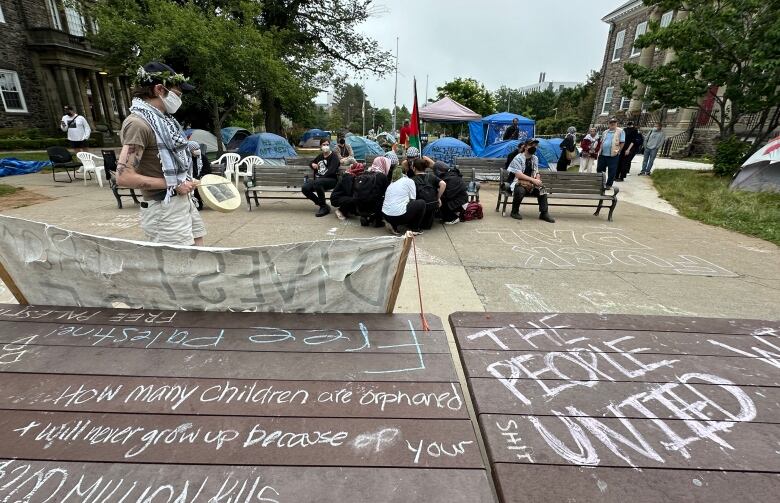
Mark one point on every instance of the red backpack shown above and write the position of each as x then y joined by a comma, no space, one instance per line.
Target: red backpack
473,211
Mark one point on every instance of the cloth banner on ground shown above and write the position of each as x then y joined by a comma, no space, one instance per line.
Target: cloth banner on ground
53,266
12,166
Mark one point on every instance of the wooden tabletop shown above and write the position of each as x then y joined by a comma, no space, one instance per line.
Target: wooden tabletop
616,408
122,405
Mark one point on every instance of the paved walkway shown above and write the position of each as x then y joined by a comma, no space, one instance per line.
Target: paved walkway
645,262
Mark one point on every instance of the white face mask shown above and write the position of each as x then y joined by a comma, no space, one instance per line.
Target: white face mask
325,148
172,102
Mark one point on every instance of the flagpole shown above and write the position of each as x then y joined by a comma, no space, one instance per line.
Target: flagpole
426,96
395,92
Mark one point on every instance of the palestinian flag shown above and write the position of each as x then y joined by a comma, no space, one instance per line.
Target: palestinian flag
414,126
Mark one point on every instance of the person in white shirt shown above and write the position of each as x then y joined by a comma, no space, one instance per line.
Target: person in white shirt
77,128
401,206
524,180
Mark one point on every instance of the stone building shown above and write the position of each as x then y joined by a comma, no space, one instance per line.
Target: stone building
47,62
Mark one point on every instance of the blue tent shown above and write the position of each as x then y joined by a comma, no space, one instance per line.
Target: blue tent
312,137
491,129
500,149
447,149
232,137
266,146
547,151
362,147
13,166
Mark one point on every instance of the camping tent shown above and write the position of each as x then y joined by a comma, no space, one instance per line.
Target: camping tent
267,146
491,129
233,136
447,149
546,151
448,110
312,137
761,172
204,137
362,147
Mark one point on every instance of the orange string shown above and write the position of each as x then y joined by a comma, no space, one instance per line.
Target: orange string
425,325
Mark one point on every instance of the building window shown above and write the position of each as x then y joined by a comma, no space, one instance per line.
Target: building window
75,21
666,19
11,92
641,29
607,100
618,45
54,14
624,102
2,16
112,95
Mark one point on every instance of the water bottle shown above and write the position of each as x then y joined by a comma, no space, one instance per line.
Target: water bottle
472,186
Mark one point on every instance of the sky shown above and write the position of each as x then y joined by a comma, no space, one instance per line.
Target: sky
485,40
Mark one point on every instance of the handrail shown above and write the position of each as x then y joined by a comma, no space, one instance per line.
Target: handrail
674,143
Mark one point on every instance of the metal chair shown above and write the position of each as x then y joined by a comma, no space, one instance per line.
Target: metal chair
90,166
61,158
110,164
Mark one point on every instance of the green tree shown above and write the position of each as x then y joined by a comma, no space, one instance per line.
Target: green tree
730,45
401,114
348,107
382,118
509,100
470,93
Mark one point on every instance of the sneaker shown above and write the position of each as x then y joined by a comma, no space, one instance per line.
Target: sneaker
416,233
340,215
324,210
393,230
546,217
516,216
452,222
608,187
363,221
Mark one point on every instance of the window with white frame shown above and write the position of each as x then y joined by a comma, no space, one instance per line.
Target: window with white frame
75,21
616,52
641,29
607,100
54,14
11,92
666,19
624,102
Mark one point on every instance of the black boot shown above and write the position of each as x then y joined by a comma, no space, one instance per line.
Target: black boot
546,217
324,210
516,216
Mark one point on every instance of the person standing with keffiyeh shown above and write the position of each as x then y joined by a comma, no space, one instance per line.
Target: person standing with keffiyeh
157,158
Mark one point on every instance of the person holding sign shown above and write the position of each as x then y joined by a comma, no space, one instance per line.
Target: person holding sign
157,158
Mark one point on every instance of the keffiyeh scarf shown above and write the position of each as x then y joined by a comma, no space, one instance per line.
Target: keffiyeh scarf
175,156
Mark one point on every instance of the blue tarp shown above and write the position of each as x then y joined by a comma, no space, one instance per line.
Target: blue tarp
547,151
266,146
447,149
314,133
491,129
362,147
232,137
12,166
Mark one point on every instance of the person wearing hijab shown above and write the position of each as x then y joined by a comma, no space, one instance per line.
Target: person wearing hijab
568,149
341,196
590,146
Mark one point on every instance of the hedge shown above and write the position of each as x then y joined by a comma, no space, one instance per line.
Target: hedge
43,143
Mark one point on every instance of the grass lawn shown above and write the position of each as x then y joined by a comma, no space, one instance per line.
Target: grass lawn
37,156
7,189
702,196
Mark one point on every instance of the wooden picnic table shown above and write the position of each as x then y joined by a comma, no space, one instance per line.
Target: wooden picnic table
127,405
616,408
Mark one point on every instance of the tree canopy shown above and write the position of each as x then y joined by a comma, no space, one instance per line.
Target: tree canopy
470,93
726,50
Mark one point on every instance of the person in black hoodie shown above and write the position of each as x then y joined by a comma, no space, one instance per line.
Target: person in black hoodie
634,141
430,188
341,197
455,194
325,175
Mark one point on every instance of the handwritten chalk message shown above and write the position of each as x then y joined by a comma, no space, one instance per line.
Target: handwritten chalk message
682,410
55,266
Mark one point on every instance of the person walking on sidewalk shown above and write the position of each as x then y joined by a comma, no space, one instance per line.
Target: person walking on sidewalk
590,150
654,142
77,128
325,175
568,149
611,143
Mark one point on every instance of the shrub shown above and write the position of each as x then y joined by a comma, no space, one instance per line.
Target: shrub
96,140
729,155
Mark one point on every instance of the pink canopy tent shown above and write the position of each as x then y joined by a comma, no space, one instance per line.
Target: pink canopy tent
448,110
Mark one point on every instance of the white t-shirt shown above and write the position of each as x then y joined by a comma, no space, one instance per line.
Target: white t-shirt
398,195
79,133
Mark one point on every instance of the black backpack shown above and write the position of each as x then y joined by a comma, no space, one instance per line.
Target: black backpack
426,190
364,187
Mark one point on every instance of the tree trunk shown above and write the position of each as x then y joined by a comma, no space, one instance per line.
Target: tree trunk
218,129
273,113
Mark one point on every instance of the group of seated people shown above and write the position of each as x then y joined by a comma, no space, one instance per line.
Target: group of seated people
411,193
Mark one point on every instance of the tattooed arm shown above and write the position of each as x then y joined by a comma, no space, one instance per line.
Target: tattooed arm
127,170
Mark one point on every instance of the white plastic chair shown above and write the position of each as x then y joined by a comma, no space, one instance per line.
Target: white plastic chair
88,162
230,161
245,168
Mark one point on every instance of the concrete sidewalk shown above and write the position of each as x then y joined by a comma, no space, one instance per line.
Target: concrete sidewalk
645,262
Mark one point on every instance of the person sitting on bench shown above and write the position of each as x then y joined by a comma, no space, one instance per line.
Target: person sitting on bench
325,175
525,179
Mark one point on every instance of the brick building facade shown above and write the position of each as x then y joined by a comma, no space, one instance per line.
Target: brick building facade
47,62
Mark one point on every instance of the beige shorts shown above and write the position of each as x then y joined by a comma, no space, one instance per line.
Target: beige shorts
175,223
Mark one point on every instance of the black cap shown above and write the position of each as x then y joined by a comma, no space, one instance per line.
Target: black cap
155,67
612,119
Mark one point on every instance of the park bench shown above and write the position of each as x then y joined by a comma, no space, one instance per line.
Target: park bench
277,182
475,169
570,187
